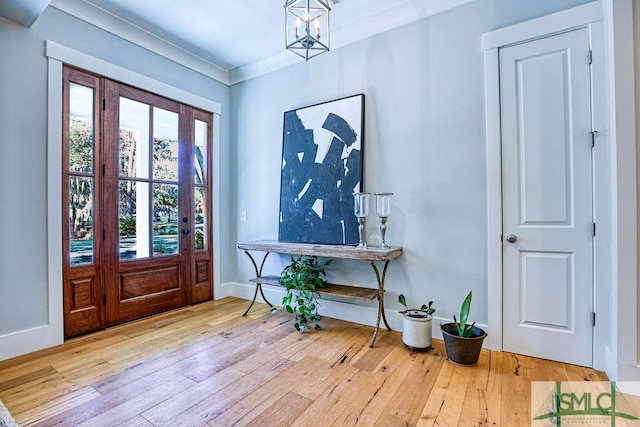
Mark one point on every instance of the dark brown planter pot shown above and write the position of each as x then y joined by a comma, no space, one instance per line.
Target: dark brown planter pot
461,350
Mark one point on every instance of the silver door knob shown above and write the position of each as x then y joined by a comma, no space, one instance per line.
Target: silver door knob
511,238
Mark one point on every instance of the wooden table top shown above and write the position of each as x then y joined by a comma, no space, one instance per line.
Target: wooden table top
328,251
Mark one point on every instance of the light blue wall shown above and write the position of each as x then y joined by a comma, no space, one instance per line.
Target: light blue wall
424,141
23,146
424,136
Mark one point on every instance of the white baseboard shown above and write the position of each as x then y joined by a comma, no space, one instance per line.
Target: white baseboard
30,340
611,367
351,312
627,377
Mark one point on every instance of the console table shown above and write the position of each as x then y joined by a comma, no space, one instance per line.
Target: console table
372,255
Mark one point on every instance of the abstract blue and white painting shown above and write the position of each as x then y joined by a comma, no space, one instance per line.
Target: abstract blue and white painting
321,169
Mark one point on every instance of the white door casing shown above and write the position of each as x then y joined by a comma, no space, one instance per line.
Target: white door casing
545,108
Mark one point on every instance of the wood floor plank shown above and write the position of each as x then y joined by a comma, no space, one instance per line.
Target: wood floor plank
130,409
106,402
208,409
271,391
51,388
332,402
167,411
415,390
369,358
580,373
281,413
480,376
338,340
480,408
444,401
207,365
56,406
326,379
20,378
516,389
373,391
138,421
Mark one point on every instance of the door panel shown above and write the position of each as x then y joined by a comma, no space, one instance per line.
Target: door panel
150,286
542,276
82,282
146,170
202,273
547,198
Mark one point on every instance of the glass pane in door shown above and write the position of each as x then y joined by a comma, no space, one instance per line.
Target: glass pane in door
200,219
200,161
200,180
165,219
165,145
134,139
81,182
134,219
80,220
80,128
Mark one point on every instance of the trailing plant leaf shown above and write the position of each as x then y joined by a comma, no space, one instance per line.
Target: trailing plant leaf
301,278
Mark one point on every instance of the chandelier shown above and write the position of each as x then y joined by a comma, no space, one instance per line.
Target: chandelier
307,27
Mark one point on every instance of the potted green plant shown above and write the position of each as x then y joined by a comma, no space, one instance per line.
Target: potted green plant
301,278
417,329
463,341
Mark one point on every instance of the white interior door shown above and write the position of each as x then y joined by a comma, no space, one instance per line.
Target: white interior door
547,198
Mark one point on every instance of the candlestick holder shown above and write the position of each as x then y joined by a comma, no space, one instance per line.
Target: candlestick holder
361,210
383,209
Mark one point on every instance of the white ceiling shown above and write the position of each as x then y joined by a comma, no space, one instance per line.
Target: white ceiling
230,40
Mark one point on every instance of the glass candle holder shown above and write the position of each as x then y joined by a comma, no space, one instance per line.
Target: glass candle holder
383,209
361,210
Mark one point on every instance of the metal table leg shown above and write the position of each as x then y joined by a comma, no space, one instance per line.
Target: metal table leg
258,284
381,313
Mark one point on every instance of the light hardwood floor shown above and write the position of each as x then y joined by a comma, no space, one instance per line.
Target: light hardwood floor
208,365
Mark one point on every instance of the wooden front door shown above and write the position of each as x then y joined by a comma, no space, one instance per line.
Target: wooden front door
137,197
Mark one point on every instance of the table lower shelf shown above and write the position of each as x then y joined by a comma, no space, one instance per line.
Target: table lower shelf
332,289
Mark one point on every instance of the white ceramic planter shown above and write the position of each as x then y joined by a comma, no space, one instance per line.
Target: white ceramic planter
417,331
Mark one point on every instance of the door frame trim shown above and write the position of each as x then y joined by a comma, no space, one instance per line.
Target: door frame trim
591,16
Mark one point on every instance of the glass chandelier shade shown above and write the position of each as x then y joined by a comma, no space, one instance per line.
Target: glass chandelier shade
307,27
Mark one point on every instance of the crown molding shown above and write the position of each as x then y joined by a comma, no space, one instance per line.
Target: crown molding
125,30
24,12
399,15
